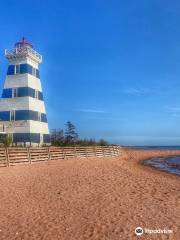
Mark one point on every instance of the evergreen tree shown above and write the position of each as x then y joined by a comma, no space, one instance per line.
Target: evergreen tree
71,135
102,142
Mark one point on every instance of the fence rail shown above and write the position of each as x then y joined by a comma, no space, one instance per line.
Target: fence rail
12,156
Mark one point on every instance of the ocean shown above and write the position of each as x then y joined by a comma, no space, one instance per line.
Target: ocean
157,147
169,164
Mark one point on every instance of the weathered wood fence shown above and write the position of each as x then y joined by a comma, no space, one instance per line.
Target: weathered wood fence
14,155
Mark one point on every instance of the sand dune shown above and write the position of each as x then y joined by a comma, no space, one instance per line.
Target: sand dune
96,199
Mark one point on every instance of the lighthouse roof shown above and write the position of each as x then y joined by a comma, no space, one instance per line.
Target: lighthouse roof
22,43
23,49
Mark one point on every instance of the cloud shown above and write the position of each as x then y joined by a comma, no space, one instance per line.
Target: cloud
174,111
135,91
100,117
91,110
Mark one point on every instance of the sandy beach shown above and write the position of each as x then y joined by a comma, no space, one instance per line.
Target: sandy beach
95,199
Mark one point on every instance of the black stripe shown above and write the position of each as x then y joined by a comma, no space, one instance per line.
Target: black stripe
30,137
23,115
22,92
23,68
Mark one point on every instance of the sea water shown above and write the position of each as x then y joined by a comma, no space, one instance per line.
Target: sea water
157,147
169,164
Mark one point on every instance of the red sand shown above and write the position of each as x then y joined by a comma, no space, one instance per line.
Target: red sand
104,199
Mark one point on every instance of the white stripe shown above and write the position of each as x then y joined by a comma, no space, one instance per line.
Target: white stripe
22,103
23,80
26,126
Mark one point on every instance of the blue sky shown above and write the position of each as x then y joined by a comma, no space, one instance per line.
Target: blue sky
110,67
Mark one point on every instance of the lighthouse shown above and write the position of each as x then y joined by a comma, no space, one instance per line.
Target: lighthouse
22,109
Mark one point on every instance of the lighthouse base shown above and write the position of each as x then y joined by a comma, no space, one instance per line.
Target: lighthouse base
26,139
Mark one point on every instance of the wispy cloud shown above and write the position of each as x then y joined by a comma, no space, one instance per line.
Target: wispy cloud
136,91
91,110
174,111
101,117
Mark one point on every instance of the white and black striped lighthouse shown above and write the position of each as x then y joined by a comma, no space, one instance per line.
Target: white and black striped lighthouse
22,109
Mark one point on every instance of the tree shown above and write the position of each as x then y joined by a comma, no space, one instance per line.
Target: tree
71,135
86,142
92,142
57,137
102,142
7,141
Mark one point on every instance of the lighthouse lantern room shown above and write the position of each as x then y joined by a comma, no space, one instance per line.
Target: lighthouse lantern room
22,110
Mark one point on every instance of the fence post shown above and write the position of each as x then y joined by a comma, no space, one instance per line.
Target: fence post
49,154
86,154
64,153
119,151
7,158
114,151
75,153
29,156
95,151
102,148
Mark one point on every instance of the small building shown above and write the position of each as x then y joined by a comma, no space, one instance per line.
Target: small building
22,110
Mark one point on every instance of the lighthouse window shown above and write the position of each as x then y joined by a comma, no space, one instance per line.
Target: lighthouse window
23,92
23,68
40,96
4,116
7,93
30,69
37,73
10,70
31,92
43,117
46,138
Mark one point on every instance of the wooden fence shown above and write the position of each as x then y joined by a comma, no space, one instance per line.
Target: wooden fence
15,155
